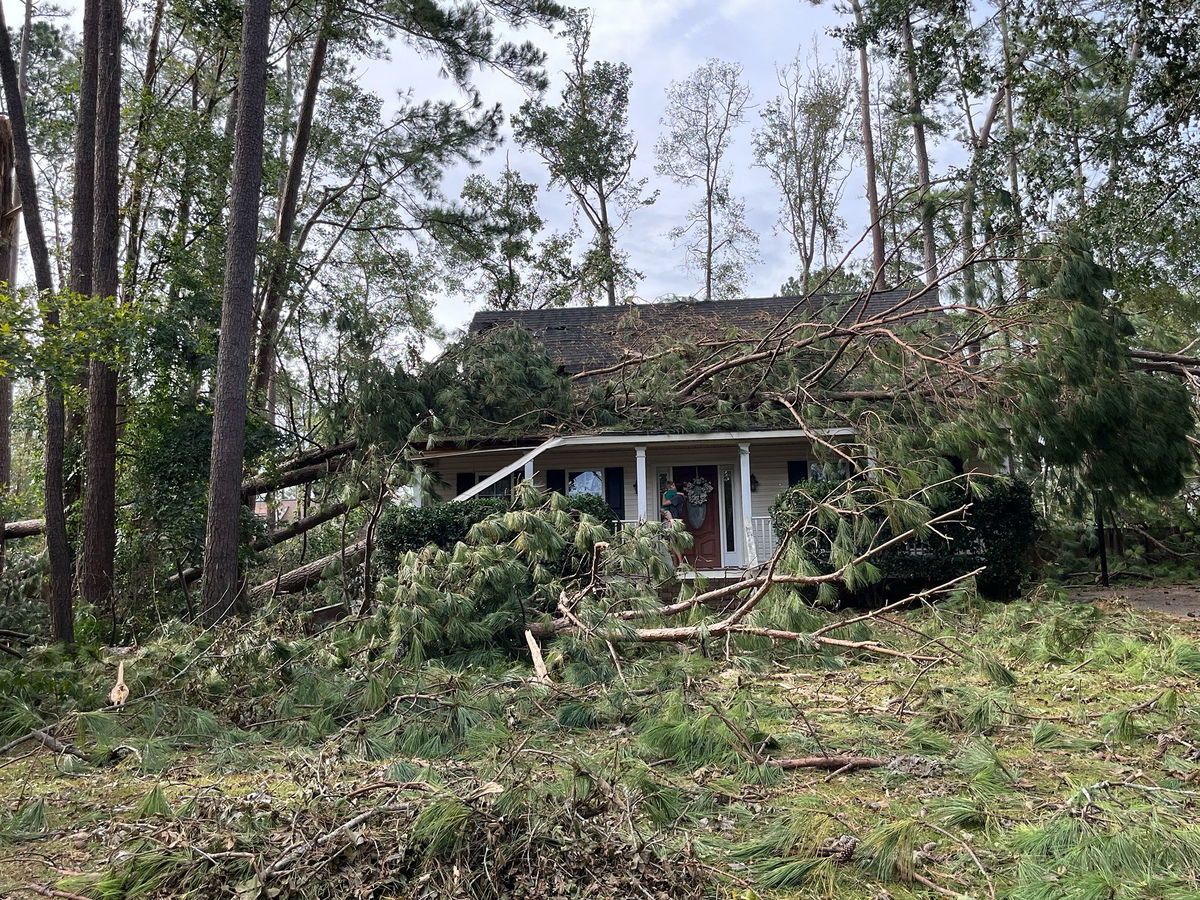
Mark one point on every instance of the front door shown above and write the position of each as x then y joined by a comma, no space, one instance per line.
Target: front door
703,520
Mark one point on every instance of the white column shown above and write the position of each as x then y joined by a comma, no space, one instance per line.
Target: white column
750,554
642,487
529,471
416,492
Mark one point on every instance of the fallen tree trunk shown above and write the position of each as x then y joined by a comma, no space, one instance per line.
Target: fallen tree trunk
279,535
47,740
832,763
310,573
264,484
301,469
23,528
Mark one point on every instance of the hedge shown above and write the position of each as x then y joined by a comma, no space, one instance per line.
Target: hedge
998,531
405,528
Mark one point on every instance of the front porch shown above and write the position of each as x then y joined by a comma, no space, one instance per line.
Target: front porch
738,475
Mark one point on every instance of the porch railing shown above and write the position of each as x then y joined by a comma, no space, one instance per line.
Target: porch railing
764,537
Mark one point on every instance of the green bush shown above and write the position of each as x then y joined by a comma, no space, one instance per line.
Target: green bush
405,528
443,525
997,531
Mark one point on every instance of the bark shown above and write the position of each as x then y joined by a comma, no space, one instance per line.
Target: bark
137,190
878,257
220,586
10,197
61,620
606,251
278,278
23,528
8,248
1014,181
833,763
921,150
307,575
293,477
99,510
82,214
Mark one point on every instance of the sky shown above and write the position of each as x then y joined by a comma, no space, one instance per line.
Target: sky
662,41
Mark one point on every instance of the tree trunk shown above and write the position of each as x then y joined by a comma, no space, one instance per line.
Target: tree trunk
23,528
220,586
310,573
99,509
10,228
8,252
82,216
278,278
606,251
61,621
878,258
921,149
137,190
1014,183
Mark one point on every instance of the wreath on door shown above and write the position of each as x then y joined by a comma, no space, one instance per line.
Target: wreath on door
697,492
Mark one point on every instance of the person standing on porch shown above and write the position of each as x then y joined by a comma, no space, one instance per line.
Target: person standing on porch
671,507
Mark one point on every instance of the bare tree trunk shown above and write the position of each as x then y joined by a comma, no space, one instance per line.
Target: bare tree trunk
62,626
278,278
82,216
220,586
99,510
1014,183
921,148
606,251
878,257
137,190
8,250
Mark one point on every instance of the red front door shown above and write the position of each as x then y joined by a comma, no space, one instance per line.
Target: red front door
706,536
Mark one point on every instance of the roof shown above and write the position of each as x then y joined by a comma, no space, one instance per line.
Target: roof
588,337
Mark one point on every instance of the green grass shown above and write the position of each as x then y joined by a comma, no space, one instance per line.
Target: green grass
1050,756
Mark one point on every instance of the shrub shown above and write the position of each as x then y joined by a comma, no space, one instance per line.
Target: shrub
997,531
443,525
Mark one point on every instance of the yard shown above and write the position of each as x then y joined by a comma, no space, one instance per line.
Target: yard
1048,748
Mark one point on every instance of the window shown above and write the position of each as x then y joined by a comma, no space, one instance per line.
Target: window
502,488
588,482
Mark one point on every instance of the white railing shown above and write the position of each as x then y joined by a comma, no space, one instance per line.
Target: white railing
764,537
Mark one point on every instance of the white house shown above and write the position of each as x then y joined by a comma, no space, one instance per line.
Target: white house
738,474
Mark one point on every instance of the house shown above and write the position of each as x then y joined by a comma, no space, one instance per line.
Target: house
732,477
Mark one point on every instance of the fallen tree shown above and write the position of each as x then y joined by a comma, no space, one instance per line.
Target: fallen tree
279,535
304,468
24,528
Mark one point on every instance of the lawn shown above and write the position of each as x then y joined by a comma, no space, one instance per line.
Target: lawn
1042,749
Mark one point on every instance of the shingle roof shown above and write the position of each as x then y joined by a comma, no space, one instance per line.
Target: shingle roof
590,337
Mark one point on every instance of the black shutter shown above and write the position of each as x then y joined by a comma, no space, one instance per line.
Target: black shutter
556,481
464,481
614,489
797,471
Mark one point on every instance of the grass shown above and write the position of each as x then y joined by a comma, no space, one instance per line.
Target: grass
1052,755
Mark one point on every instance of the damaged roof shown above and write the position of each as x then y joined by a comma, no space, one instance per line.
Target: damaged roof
584,338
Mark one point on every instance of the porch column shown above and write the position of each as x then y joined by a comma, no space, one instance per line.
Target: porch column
750,554
640,475
529,471
416,491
